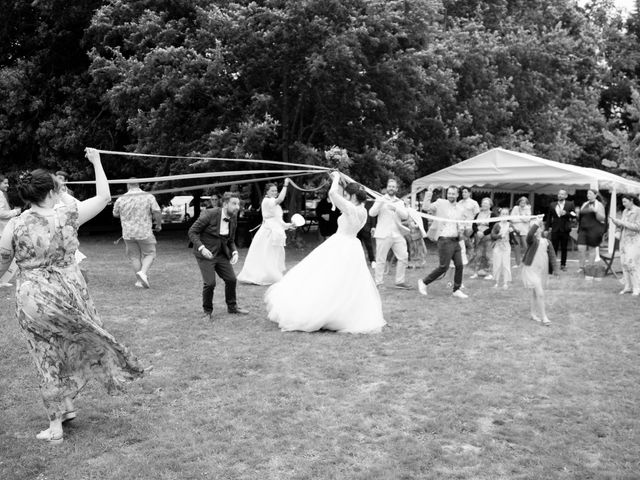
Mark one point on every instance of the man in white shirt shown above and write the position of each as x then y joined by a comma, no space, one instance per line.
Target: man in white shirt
448,235
389,234
140,216
213,235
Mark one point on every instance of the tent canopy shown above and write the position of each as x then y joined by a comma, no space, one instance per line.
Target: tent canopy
506,171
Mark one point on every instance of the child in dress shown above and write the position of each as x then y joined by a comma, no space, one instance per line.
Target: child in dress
539,260
501,250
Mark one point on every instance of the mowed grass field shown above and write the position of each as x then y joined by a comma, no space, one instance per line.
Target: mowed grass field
451,389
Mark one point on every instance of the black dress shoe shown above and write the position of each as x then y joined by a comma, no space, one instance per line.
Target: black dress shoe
238,311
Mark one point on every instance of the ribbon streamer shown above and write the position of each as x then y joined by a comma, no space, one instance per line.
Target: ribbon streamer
191,176
219,159
219,184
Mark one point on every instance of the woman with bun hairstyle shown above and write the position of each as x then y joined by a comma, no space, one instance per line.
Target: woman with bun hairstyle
264,264
59,320
591,226
331,288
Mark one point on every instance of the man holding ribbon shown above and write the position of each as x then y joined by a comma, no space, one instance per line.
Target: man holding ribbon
448,235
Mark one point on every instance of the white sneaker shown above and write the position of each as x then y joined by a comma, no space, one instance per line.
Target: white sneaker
142,278
422,287
489,277
460,294
138,284
474,276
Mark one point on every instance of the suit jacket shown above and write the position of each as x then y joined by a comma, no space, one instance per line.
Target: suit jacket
560,224
206,231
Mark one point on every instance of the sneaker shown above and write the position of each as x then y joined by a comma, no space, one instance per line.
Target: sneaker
422,287
546,322
460,294
474,276
142,277
489,277
138,284
403,286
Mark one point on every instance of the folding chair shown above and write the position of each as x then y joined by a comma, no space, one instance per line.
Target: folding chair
608,259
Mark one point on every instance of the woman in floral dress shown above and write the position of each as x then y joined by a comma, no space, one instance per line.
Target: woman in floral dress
54,310
629,226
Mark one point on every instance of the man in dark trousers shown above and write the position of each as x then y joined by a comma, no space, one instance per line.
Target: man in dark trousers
213,237
559,220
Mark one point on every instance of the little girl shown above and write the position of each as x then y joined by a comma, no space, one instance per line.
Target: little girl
538,262
501,250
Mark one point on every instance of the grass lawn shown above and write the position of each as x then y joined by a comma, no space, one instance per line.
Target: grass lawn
451,389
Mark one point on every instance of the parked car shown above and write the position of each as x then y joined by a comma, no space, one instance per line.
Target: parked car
181,208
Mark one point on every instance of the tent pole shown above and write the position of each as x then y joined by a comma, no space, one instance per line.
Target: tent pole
511,200
532,197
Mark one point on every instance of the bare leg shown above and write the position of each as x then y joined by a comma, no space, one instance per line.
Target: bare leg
147,260
582,253
540,304
534,305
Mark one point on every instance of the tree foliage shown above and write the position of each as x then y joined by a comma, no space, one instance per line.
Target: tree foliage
406,87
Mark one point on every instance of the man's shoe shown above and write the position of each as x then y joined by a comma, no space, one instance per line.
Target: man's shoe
403,286
460,294
206,316
68,416
422,287
142,278
474,276
238,311
489,277
138,284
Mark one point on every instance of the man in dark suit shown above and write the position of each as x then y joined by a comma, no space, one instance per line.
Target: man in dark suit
559,220
213,237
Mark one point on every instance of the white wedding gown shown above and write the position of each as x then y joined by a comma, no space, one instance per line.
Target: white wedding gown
331,288
264,264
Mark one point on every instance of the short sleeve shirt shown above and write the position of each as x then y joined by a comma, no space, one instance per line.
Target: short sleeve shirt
135,211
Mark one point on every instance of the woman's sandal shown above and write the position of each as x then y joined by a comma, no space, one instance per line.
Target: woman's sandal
50,437
68,416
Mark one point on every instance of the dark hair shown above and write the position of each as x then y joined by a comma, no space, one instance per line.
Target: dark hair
357,190
463,188
268,186
62,173
226,196
454,187
2,177
34,186
631,197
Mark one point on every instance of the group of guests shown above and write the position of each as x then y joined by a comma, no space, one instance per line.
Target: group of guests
331,288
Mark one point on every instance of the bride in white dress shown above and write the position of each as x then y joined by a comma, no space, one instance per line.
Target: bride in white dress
264,264
331,288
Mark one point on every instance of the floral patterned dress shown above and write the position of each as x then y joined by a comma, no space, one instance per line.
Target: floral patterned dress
60,322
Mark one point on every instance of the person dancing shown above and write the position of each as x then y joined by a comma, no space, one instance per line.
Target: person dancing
64,332
331,288
264,264
538,262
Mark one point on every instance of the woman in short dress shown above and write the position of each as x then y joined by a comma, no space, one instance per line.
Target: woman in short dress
264,264
331,288
65,334
629,226
591,227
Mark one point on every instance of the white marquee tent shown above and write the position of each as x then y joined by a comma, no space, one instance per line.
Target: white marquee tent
502,170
